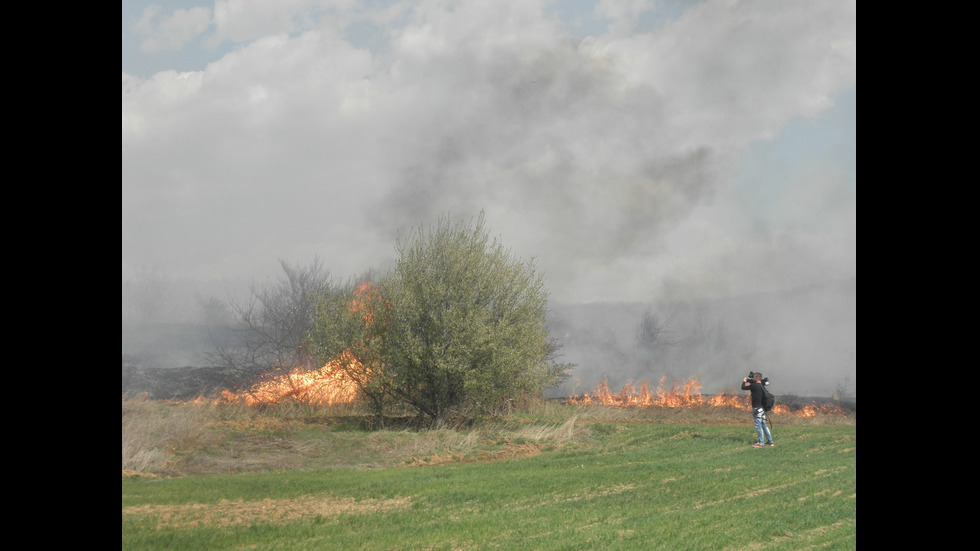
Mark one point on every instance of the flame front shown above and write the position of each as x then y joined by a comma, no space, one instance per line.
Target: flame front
325,386
686,395
330,385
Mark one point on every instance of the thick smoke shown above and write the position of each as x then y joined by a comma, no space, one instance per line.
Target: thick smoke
616,159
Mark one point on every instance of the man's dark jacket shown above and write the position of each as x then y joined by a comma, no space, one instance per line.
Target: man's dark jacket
757,393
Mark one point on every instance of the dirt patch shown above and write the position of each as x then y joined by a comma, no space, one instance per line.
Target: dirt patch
232,513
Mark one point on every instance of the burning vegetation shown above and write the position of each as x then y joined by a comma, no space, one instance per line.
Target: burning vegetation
353,374
687,395
328,386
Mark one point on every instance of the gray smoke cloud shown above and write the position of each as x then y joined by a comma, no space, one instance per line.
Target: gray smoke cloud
804,340
640,155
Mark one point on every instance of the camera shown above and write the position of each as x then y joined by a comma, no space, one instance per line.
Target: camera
765,380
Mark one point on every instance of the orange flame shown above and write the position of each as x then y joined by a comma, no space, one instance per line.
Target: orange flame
328,385
813,410
325,386
686,395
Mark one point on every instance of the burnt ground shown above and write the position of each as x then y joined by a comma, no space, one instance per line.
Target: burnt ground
178,383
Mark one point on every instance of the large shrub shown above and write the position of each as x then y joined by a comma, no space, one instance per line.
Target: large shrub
459,322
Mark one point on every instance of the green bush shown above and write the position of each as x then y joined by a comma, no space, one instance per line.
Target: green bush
457,325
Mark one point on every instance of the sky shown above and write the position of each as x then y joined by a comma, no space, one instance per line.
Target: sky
634,150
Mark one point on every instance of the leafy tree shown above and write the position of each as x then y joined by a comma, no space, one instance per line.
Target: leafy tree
465,323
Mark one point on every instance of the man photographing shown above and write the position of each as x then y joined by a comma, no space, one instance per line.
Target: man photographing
754,384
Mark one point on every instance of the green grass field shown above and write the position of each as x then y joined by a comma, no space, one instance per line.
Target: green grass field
564,479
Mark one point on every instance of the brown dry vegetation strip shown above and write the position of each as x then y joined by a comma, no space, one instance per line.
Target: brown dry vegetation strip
509,451
131,473
231,513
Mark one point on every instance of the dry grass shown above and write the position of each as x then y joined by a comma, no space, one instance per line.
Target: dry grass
154,432
174,439
201,437
237,513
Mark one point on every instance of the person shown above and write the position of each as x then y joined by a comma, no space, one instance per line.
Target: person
758,413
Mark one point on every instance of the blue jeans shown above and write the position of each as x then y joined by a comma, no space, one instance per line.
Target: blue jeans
760,425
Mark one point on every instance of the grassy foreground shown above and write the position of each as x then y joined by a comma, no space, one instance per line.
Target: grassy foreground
562,477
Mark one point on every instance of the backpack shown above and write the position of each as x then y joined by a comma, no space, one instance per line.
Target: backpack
768,400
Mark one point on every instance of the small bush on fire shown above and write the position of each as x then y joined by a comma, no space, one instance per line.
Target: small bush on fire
457,325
